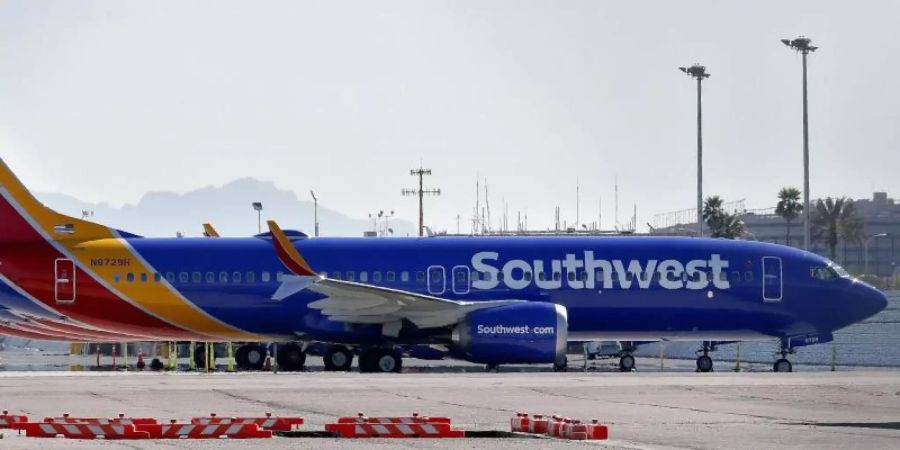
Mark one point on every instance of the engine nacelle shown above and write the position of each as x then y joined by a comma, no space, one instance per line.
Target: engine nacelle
522,333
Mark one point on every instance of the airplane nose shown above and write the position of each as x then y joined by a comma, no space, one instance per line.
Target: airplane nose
872,300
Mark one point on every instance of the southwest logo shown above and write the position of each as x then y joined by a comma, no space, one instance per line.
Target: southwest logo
589,273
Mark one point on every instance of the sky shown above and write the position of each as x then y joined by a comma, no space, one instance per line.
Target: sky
108,100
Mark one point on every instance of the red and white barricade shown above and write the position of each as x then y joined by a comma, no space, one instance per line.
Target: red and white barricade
210,431
394,430
268,422
414,418
538,425
82,431
8,420
121,420
520,423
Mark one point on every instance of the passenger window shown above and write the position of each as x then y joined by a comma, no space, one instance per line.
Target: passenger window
196,277
170,277
571,275
488,276
335,275
404,276
376,277
236,277
129,277
279,277
390,277
143,277
251,277
735,276
475,276
157,277
541,276
117,278
748,276
598,276
528,276
223,277
557,276
183,277
351,276
500,276
420,276
723,275
265,277
210,277
364,276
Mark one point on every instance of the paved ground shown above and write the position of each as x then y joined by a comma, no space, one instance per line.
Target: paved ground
644,410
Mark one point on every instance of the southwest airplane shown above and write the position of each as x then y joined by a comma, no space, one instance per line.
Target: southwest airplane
488,300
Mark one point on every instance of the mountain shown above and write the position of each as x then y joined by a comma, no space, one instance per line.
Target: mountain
227,207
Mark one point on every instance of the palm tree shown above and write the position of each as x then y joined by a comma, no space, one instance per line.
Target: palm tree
721,223
835,220
789,208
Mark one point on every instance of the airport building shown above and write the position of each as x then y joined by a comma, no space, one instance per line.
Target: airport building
880,216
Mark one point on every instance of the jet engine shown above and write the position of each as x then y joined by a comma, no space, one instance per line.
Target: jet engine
521,333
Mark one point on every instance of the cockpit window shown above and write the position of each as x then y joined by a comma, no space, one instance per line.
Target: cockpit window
839,271
822,273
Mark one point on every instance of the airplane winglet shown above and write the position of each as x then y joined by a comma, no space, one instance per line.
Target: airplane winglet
287,253
210,231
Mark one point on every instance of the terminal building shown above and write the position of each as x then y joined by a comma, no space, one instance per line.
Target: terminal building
880,216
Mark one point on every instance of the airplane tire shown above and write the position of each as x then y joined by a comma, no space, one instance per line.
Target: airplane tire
156,365
200,357
338,359
783,365
387,360
561,367
255,356
626,363
368,360
291,358
704,364
240,357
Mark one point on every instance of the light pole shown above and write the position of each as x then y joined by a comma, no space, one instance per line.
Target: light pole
257,206
315,212
801,45
866,249
699,73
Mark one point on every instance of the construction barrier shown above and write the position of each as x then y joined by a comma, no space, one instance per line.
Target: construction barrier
267,423
560,427
213,431
7,420
414,418
394,430
121,420
81,431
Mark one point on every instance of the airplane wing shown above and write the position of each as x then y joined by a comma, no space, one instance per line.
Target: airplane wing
352,302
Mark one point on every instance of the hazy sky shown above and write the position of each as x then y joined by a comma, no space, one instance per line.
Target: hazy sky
108,100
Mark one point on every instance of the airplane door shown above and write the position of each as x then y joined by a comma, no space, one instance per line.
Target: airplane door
64,270
436,282
772,278
461,280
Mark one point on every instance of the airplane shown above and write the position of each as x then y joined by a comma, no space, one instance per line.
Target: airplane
487,300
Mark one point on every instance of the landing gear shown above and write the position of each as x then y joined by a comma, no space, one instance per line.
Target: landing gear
626,363
704,362
383,360
200,356
561,366
250,357
783,365
291,357
338,359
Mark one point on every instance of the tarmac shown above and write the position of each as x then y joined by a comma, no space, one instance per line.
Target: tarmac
652,410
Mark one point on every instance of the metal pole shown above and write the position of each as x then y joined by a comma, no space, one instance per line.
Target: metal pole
699,159
421,204
316,216
259,221
806,212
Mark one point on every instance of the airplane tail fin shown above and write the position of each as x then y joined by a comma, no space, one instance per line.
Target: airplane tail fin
23,218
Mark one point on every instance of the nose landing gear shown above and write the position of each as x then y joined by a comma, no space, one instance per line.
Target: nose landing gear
704,361
782,364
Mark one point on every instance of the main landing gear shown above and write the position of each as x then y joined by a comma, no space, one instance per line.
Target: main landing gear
290,357
380,360
338,358
704,362
626,362
250,357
